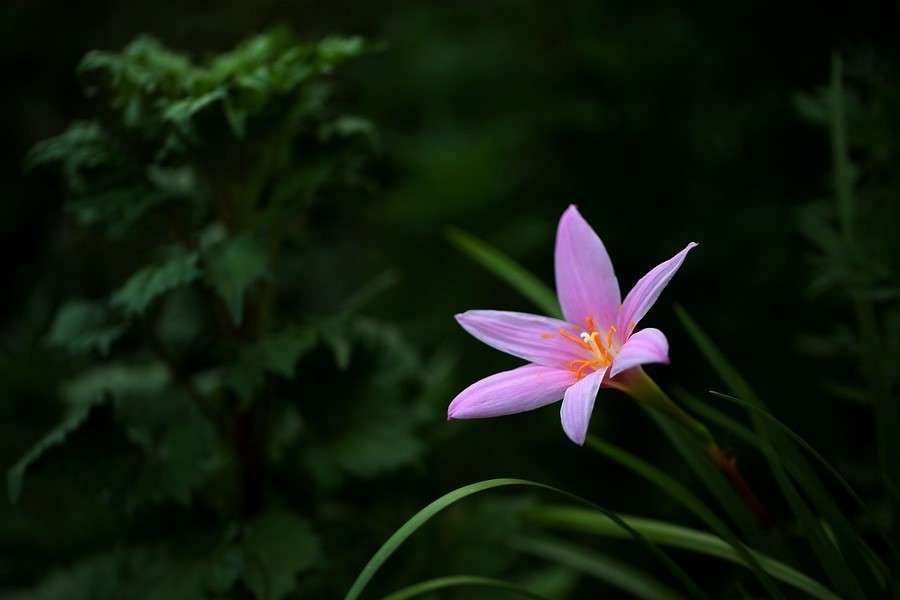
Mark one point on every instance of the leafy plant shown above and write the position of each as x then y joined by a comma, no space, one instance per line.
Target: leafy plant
210,186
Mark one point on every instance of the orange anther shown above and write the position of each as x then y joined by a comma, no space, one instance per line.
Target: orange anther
590,324
578,341
587,363
609,335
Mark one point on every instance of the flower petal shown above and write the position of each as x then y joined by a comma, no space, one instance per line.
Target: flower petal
645,292
643,347
510,392
585,281
578,404
536,339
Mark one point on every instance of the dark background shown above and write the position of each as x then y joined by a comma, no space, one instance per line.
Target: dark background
665,122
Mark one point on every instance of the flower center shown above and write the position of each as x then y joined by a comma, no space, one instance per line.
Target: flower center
602,351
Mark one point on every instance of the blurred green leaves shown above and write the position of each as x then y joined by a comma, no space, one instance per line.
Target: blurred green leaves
203,387
151,282
82,327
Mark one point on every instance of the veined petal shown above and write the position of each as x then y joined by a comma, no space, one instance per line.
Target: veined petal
578,404
645,292
510,392
643,347
585,281
536,339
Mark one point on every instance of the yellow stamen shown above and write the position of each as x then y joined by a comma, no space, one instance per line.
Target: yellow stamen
571,337
612,330
587,363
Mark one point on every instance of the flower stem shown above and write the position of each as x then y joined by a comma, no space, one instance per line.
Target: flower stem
637,384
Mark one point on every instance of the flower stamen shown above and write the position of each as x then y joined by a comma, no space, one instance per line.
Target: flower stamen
571,337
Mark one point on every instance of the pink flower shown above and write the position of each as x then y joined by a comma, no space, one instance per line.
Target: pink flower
595,346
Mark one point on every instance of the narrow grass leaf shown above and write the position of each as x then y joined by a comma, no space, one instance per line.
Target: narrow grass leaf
687,499
616,573
711,477
455,581
780,451
712,415
674,536
424,515
508,270
821,459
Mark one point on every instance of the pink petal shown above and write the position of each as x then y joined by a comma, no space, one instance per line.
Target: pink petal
645,292
578,404
509,392
585,281
643,347
536,339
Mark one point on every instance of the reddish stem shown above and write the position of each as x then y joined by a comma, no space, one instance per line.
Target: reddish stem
728,466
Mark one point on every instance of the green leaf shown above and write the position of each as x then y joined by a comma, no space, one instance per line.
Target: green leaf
717,417
357,435
821,459
712,478
117,379
279,545
88,579
57,436
82,327
676,536
233,266
181,446
348,126
687,499
840,546
616,573
149,283
508,270
82,148
182,112
117,209
276,353
424,515
454,581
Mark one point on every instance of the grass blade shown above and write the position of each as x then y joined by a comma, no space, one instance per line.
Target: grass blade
713,479
675,536
687,499
440,583
619,574
844,555
424,515
508,270
717,417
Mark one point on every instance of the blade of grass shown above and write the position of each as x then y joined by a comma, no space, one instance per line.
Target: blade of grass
674,536
508,270
687,499
821,459
779,450
711,415
453,581
713,479
605,568
424,515
772,540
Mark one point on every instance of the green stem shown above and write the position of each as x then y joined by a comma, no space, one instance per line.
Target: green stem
637,384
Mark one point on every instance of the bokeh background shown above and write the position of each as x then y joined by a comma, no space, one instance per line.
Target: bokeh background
665,122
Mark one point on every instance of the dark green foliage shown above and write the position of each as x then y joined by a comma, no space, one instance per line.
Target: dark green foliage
190,361
82,327
153,281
